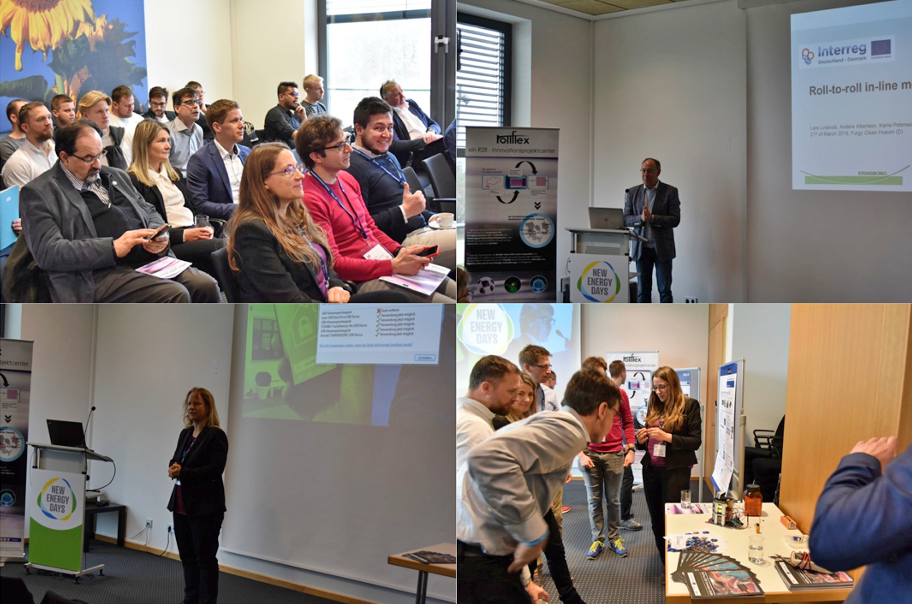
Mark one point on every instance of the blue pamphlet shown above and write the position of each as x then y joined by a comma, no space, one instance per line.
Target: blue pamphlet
9,211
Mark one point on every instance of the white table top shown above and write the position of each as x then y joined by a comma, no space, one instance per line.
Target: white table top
736,542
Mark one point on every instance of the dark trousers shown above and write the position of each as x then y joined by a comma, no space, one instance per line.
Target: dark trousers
626,494
483,579
197,543
557,563
662,486
646,262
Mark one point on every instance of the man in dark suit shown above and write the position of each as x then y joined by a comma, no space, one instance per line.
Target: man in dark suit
653,209
283,120
414,130
214,172
89,229
158,100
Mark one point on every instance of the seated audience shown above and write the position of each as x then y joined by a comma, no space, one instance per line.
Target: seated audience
363,253
280,255
16,137
283,120
36,155
313,91
89,229
158,100
122,114
397,211
64,110
415,131
95,107
186,135
214,172
166,190
208,135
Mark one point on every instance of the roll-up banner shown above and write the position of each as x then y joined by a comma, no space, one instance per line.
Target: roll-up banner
511,214
15,385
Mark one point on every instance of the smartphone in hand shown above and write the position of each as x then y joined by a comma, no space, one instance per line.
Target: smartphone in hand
429,252
161,231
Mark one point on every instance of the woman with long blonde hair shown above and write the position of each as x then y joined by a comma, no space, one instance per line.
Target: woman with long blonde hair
671,437
523,407
198,497
275,249
166,190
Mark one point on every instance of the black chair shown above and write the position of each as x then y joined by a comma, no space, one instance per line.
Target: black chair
417,182
763,462
442,178
226,277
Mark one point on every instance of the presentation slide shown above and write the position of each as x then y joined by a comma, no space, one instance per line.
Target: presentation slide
335,363
852,98
505,329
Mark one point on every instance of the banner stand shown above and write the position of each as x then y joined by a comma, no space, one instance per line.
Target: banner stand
15,393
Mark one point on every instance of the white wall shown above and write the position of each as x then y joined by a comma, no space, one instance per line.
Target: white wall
760,335
552,64
671,84
811,246
62,361
189,41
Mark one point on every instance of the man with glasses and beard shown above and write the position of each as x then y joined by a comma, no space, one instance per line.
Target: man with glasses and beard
186,135
89,229
283,120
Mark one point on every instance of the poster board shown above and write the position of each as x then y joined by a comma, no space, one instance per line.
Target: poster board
729,454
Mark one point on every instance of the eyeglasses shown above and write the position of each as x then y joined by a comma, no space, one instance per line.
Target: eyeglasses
290,170
543,320
340,147
192,103
162,104
660,388
545,367
92,158
294,94
648,171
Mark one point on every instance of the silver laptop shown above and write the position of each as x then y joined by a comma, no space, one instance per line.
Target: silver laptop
606,218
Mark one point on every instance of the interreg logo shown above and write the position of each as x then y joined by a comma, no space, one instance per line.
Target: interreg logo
57,500
846,52
599,282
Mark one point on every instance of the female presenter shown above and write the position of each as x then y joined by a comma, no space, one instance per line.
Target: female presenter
672,435
198,498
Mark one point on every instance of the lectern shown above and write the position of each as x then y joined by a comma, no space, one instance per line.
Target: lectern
599,264
57,515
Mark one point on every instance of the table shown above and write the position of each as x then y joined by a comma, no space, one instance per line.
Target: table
447,570
92,510
775,591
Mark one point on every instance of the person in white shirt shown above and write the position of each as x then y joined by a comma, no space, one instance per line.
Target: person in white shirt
186,134
95,106
122,112
505,489
36,155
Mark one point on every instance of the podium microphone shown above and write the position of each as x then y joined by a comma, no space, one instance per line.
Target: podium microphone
86,429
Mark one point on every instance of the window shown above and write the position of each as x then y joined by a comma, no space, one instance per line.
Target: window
368,42
482,73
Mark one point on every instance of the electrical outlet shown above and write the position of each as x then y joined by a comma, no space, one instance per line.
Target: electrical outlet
690,300
148,523
170,528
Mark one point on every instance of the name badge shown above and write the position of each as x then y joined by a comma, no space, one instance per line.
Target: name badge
658,450
378,252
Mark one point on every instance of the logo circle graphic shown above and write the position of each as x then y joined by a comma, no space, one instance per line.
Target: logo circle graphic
57,500
536,230
586,275
12,444
485,329
538,284
512,284
7,498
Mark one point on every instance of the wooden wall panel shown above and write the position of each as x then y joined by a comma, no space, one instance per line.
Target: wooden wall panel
715,357
849,379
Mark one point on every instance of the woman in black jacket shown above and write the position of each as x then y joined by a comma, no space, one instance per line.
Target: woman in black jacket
277,251
671,437
198,497
165,188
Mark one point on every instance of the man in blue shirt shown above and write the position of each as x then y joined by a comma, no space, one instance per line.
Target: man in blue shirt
864,518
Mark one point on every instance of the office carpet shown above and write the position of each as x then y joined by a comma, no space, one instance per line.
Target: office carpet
133,577
610,579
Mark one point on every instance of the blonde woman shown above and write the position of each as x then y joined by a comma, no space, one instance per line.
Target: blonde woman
166,190
277,252
198,497
671,437
523,407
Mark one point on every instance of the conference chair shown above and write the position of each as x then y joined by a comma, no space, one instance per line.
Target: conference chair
418,182
225,275
443,181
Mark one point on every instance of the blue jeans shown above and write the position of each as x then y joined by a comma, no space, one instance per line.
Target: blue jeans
648,260
604,478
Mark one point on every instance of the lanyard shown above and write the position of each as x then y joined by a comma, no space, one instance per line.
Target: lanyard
188,449
356,220
400,179
323,268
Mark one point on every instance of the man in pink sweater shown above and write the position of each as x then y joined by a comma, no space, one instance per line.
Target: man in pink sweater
361,252
603,467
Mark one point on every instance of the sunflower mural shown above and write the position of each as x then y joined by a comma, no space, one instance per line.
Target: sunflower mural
50,47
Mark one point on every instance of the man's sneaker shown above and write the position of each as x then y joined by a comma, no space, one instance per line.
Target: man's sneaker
631,525
565,509
595,549
618,546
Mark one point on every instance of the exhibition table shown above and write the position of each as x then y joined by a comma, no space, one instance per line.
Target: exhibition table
447,570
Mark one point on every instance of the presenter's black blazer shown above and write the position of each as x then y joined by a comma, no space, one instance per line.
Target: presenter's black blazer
201,473
681,452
